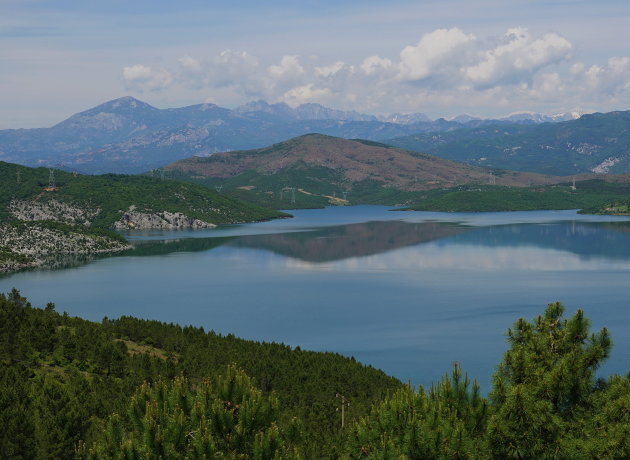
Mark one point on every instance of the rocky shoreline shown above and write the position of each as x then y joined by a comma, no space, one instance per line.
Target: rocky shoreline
27,245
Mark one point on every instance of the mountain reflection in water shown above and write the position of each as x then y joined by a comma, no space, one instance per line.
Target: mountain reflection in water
406,292
347,241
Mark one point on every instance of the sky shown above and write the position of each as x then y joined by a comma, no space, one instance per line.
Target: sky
444,58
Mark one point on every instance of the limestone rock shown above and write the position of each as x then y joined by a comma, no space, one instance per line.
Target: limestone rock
163,220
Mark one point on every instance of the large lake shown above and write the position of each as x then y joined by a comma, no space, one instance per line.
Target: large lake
407,292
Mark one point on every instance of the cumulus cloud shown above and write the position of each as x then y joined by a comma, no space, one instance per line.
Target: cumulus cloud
446,68
306,93
289,67
436,52
518,55
189,64
610,79
329,70
375,64
144,78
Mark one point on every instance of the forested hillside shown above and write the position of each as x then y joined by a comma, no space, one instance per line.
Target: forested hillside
130,388
100,201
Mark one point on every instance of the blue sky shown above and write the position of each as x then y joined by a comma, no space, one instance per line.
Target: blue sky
440,57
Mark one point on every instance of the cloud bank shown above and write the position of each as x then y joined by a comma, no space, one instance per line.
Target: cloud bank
446,68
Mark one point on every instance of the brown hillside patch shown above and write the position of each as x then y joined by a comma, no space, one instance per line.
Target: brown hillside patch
357,161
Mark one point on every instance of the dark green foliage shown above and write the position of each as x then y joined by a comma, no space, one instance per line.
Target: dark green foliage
8,256
111,194
544,403
542,387
480,198
77,373
17,436
448,422
228,418
131,388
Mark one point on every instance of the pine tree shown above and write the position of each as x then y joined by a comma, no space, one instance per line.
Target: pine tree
229,418
448,422
542,387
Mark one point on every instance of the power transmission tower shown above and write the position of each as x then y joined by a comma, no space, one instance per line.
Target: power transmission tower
19,176
492,180
51,179
344,403
573,186
289,189
218,188
345,195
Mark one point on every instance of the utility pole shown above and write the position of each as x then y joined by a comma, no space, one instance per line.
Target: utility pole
344,403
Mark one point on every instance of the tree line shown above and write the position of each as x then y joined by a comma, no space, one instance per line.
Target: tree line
130,388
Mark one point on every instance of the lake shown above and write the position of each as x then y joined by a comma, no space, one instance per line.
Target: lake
407,292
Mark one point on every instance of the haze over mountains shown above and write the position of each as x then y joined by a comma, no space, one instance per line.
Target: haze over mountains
130,136
595,143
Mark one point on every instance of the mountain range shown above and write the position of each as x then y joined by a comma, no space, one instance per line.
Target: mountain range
594,143
126,135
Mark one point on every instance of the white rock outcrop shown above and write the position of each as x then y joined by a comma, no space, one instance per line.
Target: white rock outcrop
164,220
51,210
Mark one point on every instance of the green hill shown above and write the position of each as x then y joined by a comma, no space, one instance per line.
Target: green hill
100,201
314,170
598,142
590,196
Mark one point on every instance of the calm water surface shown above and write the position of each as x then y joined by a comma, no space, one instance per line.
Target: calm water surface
407,292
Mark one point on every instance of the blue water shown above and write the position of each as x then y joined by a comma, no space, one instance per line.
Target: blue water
407,292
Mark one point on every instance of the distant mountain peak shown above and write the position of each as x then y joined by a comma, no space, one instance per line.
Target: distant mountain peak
125,102
464,118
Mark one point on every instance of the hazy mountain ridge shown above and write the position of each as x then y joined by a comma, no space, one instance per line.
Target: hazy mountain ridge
126,135
593,143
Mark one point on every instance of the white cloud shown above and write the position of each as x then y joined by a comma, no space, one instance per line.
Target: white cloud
189,64
611,80
142,78
306,93
289,67
518,56
448,71
375,64
329,70
436,51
